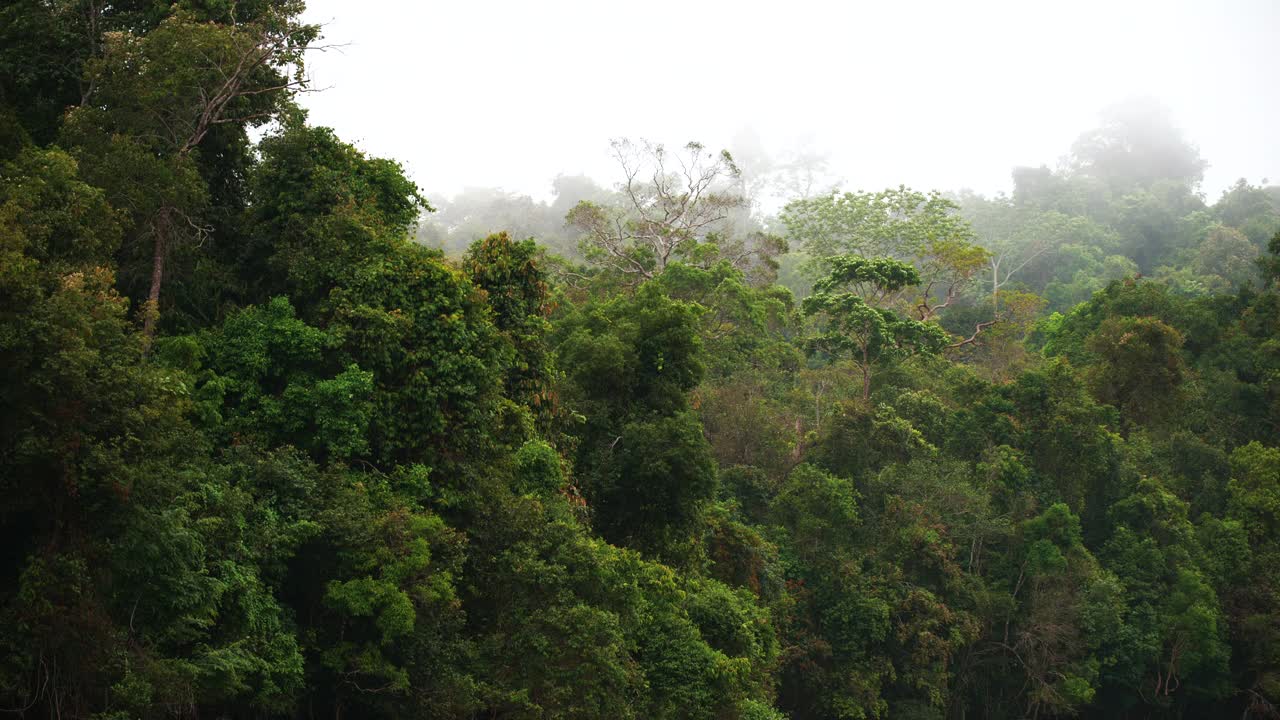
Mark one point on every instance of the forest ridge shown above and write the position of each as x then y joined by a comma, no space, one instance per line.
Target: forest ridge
282,437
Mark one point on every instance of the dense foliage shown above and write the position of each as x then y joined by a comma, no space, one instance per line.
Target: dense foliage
263,455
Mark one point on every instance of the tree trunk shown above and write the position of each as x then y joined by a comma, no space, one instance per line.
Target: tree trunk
866,376
995,289
151,310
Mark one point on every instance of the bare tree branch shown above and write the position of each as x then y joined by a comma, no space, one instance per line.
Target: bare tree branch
977,330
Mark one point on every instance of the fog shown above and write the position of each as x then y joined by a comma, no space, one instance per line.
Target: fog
932,95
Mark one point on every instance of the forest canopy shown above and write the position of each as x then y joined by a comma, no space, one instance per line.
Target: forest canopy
283,435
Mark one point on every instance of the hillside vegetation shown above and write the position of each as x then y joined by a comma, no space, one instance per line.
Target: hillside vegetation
272,446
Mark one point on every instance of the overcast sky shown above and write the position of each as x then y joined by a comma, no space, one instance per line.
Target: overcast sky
943,95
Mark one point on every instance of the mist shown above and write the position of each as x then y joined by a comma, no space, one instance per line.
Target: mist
930,95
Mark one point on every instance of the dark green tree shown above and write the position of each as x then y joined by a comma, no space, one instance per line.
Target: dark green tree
854,322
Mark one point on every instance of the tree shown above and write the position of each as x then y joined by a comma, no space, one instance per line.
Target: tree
1251,209
1226,259
1066,607
676,206
49,213
331,227
1002,353
270,378
138,576
835,620
1155,223
518,293
899,222
924,230
1066,434
1018,238
855,323
646,467
1254,502
476,213
769,179
1174,639
154,99
1136,146
1269,264
321,212
948,268
1140,369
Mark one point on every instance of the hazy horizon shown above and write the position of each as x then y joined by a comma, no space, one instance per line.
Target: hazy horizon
933,96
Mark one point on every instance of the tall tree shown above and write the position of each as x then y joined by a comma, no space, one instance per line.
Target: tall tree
1136,146
925,230
850,303
898,222
675,207
155,98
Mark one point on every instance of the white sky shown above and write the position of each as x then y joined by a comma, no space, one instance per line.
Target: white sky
939,95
